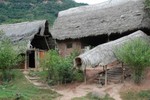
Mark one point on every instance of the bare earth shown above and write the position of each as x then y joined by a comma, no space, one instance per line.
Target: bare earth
70,91
145,85
73,90
79,90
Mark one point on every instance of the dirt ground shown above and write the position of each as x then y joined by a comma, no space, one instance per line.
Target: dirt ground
73,90
70,91
129,85
81,89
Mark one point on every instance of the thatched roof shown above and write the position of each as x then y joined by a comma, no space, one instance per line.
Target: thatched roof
22,33
105,18
104,54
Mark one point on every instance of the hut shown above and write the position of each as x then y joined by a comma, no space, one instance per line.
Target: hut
91,25
104,54
30,39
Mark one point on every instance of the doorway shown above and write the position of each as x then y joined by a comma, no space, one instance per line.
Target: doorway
31,58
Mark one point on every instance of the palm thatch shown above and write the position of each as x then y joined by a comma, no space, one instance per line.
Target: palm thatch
22,33
117,16
104,54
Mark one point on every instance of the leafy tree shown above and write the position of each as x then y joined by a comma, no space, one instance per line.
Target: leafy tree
8,59
136,54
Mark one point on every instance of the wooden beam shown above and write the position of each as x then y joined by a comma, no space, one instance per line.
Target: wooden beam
46,42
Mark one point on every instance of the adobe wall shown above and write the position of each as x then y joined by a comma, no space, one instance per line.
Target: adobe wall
65,47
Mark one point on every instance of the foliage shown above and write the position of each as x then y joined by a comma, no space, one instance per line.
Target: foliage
147,3
136,54
8,59
133,95
21,89
59,69
147,7
90,97
78,75
28,10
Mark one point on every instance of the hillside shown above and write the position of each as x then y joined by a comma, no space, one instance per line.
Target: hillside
27,10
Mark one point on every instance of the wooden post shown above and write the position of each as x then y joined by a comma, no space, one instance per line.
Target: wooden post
38,55
85,78
106,75
46,42
123,69
25,67
36,58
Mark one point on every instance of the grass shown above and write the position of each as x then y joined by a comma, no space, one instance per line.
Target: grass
130,95
24,90
90,97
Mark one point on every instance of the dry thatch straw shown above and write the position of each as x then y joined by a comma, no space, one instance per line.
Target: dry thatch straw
104,54
22,33
106,18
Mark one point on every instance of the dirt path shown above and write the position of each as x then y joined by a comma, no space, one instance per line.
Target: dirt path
79,90
35,81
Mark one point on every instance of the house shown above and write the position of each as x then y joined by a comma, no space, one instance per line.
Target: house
91,25
30,39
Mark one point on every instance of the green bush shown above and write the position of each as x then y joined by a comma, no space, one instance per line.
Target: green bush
8,59
136,54
59,69
144,94
78,76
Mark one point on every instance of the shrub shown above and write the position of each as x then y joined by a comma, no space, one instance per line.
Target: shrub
136,54
78,76
59,69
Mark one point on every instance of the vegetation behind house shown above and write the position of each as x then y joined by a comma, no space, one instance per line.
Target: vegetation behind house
27,10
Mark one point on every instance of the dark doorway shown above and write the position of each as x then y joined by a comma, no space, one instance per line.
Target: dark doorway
31,58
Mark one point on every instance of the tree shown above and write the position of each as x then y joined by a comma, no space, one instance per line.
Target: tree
8,59
136,54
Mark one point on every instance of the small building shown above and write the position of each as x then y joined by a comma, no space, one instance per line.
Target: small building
30,39
88,26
